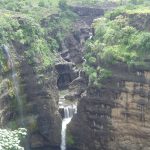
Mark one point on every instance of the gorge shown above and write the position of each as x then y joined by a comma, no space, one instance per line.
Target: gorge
77,77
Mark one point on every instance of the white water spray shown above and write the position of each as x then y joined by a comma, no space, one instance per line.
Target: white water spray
69,111
11,64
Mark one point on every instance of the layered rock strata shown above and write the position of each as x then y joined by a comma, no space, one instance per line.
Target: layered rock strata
115,116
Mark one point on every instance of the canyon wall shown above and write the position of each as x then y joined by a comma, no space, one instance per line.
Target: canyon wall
112,117
38,89
115,116
38,93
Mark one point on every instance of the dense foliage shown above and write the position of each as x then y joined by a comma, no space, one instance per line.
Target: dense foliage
10,140
21,22
115,40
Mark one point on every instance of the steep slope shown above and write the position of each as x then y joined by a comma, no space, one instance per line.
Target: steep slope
113,112
115,116
29,92
33,44
109,75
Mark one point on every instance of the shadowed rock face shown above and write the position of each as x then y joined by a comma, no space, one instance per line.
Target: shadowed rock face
66,74
116,116
88,14
42,99
40,91
73,45
39,94
89,19
141,22
88,11
91,128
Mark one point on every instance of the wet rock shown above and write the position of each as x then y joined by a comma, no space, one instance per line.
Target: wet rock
73,44
61,111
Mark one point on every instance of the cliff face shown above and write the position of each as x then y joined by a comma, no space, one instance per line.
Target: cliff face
73,45
130,116
88,13
141,22
115,116
39,97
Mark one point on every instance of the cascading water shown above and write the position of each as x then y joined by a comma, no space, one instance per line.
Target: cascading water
69,111
11,64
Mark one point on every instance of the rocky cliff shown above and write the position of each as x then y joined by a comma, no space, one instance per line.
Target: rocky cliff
115,116
39,94
38,87
29,94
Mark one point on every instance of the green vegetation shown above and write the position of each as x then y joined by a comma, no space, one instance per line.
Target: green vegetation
35,29
115,41
10,140
36,9
40,26
41,34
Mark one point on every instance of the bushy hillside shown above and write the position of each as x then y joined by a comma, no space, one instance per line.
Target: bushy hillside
117,39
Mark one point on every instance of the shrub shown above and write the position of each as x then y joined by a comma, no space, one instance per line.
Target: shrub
144,42
112,15
41,4
115,41
10,140
41,53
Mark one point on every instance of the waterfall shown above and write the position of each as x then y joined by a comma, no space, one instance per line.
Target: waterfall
11,64
84,60
80,73
69,111
90,35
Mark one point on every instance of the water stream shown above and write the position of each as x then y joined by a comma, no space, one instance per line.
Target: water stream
69,111
11,63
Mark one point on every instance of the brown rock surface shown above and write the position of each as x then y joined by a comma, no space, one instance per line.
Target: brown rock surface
115,116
